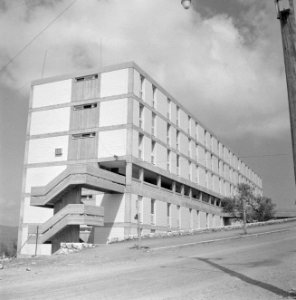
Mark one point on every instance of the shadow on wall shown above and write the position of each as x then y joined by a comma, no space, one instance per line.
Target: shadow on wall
263,285
111,204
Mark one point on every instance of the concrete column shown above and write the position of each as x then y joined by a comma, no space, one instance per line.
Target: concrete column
174,187
128,173
159,181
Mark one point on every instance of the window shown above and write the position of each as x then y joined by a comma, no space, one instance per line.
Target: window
87,77
153,152
153,123
154,96
178,139
85,106
139,209
84,135
189,125
169,214
142,78
177,115
168,134
141,137
169,160
141,113
179,216
189,147
58,152
178,164
152,211
169,109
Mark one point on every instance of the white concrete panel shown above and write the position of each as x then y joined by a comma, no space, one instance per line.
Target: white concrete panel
201,176
184,168
192,128
192,150
203,221
183,144
161,215
185,218
114,206
136,114
42,176
215,164
215,145
161,156
161,104
161,129
43,249
135,149
195,219
208,140
147,92
114,83
183,119
54,120
173,113
137,84
147,149
52,93
34,214
173,137
113,112
193,172
43,150
221,150
201,134
112,142
174,216
201,156
216,183
173,163
146,211
147,120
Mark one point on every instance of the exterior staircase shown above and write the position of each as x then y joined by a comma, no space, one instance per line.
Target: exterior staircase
72,214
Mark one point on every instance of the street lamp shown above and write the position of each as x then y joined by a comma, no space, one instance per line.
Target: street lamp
186,3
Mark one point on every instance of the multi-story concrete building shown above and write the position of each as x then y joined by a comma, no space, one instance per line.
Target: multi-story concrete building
106,146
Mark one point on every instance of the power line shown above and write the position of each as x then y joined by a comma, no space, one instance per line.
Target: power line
36,36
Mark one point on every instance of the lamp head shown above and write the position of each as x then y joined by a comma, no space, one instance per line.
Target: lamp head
186,3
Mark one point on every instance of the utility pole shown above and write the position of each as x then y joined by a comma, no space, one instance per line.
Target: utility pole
244,216
286,15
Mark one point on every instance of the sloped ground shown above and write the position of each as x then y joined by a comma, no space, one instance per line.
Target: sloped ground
256,267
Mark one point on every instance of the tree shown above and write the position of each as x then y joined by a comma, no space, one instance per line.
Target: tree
248,207
264,209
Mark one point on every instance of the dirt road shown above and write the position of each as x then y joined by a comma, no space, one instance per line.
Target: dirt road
257,267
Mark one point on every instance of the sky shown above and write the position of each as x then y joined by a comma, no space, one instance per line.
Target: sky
222,59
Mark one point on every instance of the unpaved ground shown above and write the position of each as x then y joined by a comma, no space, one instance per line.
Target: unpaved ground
256,267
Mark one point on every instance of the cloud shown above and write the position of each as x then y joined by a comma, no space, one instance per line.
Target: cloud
209,63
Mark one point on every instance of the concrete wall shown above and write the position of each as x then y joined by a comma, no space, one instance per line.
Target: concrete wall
52,93
41,176
55,120
34,214
161,103
112,142
114,83
113,112
43,150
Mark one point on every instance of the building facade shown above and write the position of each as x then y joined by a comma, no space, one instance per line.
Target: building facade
110,149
